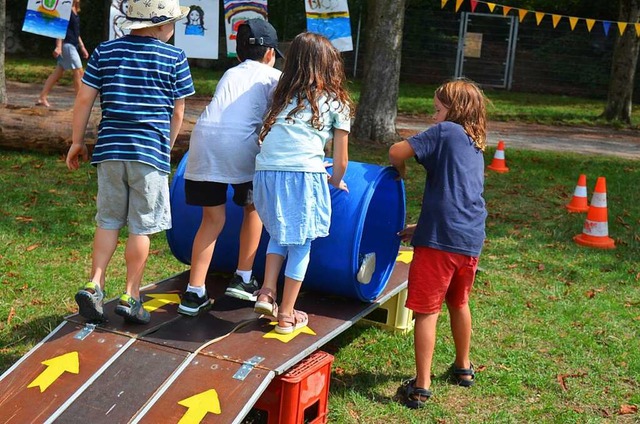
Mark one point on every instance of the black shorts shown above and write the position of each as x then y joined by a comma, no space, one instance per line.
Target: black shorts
208,193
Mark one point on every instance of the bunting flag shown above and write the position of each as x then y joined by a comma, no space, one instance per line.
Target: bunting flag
197,34
47,17
573,21
331,19
238,11
522,13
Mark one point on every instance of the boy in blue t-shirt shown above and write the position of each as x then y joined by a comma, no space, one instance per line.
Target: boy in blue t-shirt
142,82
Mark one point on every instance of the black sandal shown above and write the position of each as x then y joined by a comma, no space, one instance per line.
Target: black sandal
458,373
413,397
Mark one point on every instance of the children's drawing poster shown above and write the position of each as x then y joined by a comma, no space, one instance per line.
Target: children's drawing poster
197,34
47,17
117,13
238,11
331,19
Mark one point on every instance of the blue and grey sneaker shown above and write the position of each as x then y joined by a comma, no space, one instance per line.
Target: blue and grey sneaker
240,290
132,310
90,299
191,304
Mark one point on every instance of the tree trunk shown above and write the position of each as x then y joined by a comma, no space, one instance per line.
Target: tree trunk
623,69
3,20
378,104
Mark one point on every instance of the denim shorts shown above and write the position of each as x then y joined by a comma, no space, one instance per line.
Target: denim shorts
133,194
69,59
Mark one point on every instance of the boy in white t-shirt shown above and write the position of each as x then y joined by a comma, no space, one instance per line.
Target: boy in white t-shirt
222,151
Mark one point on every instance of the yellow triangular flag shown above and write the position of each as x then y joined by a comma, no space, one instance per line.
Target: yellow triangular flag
572,22
555,19
637,29
444,3
522,13
458,4
621,27
505,10
491,6
539,16
590,23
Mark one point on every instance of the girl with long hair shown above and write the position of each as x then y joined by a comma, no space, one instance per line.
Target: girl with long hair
310,107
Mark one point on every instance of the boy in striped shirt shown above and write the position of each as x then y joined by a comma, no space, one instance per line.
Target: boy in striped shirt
142,82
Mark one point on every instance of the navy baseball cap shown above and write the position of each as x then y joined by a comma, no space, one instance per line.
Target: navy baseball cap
263,34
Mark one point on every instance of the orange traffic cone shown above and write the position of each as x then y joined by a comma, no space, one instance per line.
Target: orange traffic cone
498,163
596,229
578,202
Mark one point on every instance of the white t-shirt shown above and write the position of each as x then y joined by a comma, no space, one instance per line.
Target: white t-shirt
223,143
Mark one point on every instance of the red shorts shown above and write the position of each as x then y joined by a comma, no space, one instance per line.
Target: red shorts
436,276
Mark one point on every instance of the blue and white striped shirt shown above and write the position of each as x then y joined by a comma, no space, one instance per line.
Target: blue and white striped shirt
139,79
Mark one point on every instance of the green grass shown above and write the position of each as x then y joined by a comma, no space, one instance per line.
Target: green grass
543,307
412,99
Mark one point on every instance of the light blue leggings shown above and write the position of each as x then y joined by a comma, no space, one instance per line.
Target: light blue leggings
298,258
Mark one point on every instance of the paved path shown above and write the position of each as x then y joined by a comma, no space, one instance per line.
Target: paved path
582,140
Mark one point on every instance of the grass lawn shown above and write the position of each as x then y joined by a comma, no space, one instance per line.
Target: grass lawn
413,98
556,325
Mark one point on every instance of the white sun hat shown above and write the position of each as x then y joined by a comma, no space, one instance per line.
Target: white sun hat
151,13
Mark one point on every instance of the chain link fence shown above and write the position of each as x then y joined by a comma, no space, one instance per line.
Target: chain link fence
544,59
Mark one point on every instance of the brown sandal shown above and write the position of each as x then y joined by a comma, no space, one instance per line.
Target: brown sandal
268,307
295,321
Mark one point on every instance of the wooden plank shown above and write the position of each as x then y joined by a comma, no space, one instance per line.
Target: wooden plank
53,372
206,392
328,317
124,388
191,333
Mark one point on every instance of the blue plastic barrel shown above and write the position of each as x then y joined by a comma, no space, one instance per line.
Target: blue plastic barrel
364,221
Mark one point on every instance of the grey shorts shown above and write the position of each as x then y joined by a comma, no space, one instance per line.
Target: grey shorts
133,194
70,58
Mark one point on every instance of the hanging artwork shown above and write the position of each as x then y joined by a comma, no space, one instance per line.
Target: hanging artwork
47,17
331,19
197,34
117,13
238,11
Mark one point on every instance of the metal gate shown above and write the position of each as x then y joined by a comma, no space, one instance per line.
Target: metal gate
486,49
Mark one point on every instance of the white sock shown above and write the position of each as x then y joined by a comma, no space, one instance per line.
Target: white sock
199,290
246,275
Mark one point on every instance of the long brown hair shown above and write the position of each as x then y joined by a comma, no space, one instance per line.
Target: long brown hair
313,67
467,106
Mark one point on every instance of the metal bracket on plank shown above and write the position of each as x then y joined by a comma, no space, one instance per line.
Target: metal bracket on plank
82,334
246,367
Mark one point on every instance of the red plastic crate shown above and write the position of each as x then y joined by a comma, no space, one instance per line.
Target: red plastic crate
301,395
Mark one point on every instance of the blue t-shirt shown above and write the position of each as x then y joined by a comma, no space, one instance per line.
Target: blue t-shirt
73,30
453,210
293,144
139,79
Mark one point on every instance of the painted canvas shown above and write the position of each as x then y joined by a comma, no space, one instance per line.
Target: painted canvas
47,17
331,19
237,11
197,34
117,13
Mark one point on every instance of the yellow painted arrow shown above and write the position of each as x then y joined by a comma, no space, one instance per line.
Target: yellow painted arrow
159,300
405,256
68,362
200,405
286,338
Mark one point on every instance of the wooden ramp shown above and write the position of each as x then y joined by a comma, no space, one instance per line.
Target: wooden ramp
206,369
